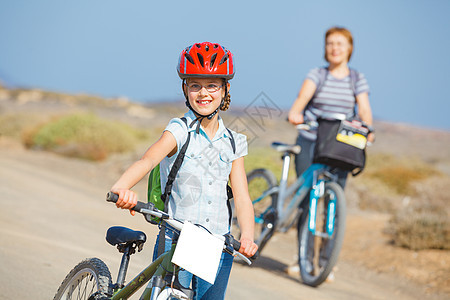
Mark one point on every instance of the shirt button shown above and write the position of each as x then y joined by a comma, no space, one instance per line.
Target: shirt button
207,220
209,202
192,155
210,183
210,163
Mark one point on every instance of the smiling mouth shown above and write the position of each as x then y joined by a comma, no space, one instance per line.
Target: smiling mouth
204,102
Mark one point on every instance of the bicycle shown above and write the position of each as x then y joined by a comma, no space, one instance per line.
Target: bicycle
320,221
91,278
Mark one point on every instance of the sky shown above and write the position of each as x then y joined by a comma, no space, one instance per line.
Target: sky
115,48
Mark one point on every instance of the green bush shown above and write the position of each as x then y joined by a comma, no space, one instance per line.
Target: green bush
85,136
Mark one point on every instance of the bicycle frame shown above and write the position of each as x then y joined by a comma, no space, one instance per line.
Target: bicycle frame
156,268
308,181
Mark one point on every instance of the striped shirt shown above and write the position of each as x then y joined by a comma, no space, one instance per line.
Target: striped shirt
335,96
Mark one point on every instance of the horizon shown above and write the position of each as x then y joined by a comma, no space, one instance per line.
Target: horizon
122,50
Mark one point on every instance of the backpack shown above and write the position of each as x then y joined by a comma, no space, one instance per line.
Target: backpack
155,194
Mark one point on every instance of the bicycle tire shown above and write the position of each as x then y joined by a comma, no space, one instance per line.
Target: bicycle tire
259,181
318,254
89,277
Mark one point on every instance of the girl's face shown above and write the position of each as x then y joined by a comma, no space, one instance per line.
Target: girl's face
337,49
205,94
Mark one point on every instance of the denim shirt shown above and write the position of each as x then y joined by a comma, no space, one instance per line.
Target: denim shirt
199,192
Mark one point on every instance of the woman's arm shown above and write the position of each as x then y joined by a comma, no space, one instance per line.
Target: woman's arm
164,146
365,112
295,115
244,207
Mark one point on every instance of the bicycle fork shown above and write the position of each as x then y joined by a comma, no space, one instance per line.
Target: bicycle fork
318,190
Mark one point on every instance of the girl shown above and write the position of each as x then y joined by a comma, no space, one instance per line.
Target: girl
199,192
337,94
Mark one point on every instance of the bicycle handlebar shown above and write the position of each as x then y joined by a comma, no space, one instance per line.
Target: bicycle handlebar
231,245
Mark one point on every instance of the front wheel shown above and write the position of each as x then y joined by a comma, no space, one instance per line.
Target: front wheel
90,279
260,187
318,251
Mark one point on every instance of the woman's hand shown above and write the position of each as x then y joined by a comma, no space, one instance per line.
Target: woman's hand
295,118
127,199
248,247
371,138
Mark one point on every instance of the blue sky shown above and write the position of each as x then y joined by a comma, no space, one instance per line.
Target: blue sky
130,48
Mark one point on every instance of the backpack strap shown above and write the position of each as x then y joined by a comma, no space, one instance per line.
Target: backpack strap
353,79
233,143
323,73
168,189
174,170
229,190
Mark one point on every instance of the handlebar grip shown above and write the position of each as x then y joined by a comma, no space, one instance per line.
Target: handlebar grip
111,197
237,245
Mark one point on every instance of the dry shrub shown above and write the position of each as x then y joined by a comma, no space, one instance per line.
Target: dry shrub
83,136
13,125
399,174
421,227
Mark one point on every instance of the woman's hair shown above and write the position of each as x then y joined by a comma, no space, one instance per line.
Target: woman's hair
345,32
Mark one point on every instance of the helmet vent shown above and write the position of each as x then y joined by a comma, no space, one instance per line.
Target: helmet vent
213,58
189,58
207,48
200,58
224,59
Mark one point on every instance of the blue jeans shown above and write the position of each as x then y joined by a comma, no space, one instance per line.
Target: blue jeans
202,289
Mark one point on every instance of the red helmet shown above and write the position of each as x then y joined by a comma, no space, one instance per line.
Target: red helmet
206,60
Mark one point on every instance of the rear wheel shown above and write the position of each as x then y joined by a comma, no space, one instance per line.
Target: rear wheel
89,277
260,181
318,252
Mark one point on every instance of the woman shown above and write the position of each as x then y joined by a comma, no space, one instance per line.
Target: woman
199,192
335,89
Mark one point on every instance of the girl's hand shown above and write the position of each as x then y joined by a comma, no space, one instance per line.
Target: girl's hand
127,199
248,247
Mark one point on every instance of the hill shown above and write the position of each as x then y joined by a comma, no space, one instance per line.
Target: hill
406,182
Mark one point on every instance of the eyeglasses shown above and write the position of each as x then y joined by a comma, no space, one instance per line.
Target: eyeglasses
211,88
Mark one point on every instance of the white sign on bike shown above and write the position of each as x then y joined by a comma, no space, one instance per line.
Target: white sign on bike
198,252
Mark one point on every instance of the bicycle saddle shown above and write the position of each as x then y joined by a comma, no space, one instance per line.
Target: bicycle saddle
120,235
281,147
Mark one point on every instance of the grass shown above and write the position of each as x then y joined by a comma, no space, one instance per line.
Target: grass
84,135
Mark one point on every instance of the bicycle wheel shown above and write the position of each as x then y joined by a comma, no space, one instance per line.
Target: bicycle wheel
318,253
87,278
259,182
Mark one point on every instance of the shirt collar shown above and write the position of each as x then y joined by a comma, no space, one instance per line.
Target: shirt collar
221,132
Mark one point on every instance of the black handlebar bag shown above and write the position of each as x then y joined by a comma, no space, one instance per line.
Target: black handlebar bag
341,144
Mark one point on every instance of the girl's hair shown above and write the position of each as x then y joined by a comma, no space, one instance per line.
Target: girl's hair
225,102
346,33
